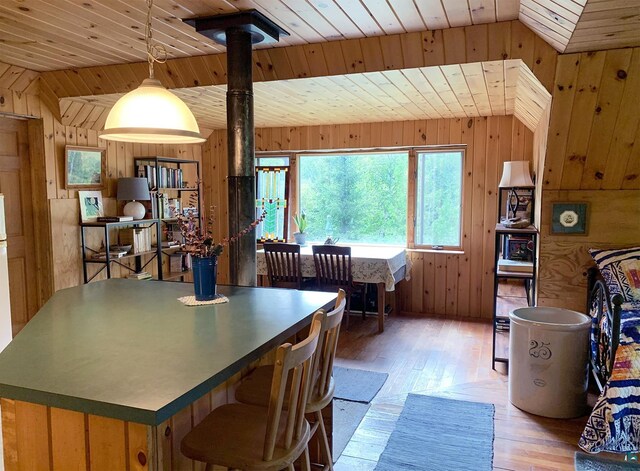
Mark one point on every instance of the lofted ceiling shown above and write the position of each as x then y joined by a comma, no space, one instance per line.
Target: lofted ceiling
448,91
61,34
91,49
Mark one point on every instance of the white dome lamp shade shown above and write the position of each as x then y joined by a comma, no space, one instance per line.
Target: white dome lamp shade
151,113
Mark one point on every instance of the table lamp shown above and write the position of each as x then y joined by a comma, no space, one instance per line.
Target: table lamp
515,175
134,190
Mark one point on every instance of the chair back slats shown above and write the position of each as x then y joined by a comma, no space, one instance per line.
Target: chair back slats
327,351
333,265
297,361
283,265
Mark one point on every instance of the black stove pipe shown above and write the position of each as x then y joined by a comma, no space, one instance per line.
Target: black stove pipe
241,154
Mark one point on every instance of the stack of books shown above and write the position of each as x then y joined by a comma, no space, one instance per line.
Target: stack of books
515,266
115,218
143,275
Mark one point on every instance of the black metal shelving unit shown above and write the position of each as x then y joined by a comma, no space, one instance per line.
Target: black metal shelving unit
193,187
501,323
155,253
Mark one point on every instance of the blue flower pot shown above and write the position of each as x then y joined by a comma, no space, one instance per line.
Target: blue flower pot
205,274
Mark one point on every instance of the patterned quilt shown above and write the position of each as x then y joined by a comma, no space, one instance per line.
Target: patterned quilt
614,424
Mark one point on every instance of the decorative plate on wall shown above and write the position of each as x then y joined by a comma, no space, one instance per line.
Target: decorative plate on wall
569,218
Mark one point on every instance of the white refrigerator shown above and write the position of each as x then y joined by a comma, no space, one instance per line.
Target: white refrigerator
5,307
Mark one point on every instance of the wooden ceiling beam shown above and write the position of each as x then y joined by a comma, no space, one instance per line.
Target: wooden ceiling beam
394,52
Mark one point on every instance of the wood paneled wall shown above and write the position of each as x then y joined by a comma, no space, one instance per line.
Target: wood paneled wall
64,205
593,156
451,283
57,215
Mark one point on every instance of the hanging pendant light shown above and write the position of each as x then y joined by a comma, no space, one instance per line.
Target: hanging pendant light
151,113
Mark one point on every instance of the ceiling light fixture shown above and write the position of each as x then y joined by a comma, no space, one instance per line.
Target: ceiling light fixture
151,113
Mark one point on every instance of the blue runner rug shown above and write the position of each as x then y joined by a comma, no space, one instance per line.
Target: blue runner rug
437,434
357,385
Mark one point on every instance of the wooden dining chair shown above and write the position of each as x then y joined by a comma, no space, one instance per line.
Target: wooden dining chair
255,388
333,272
283,265
266,437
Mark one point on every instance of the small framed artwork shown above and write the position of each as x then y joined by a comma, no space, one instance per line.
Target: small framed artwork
84,167
90,205
569,218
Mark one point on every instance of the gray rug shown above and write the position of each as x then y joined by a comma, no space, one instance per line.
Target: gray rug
347,416
585,462
357,385
437,434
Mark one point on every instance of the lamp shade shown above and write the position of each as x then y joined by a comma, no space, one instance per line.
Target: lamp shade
151,114
133,189
516,174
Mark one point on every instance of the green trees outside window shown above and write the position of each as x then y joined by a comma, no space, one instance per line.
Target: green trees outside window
358,198
439,198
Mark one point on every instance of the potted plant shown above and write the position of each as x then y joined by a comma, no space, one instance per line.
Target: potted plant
205,250
301,221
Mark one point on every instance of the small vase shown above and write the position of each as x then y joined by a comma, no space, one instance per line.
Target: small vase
300,238
205,273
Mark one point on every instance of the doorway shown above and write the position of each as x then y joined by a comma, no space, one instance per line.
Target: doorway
15,184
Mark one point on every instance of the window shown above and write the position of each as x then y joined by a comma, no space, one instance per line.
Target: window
438,219
272,196
355,197
272,161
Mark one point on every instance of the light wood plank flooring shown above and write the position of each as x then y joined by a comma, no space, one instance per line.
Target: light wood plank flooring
449,358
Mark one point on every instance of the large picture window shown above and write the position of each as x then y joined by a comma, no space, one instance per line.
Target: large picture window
438,207
355,197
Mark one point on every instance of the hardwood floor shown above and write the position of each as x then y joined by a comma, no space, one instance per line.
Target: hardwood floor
448,358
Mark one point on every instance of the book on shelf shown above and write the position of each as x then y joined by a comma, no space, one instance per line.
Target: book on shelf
515,266
112,254
167,244
115,218
143,275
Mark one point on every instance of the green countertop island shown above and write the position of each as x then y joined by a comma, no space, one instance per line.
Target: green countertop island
131,352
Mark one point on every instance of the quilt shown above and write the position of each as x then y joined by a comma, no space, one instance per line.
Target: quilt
614,423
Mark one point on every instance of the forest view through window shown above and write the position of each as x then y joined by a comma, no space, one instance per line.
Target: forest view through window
359,198
439,199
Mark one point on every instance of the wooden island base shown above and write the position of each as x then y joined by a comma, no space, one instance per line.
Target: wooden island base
112,375
37,437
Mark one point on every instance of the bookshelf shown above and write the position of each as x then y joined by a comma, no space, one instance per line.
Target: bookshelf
174,186
105,256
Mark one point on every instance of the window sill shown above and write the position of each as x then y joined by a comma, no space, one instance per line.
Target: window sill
448,252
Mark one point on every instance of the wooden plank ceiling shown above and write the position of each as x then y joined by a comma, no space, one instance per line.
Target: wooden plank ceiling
62,34
448,91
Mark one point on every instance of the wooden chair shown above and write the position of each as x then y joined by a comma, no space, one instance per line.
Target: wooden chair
333,272
255,388
250,437
283,265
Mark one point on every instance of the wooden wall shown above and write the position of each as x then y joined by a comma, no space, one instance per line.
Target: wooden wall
593,156
451,283
57,215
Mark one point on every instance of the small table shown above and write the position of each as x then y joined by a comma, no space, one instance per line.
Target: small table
382,265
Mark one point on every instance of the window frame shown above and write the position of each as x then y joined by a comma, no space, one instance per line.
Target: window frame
413,196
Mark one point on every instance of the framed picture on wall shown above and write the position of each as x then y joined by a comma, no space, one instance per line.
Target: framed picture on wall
84,167
569,218
91,207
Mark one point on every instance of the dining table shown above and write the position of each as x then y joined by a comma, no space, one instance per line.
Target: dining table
112,374
382,265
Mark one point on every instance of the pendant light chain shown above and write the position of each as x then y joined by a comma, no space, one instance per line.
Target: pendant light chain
155,52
